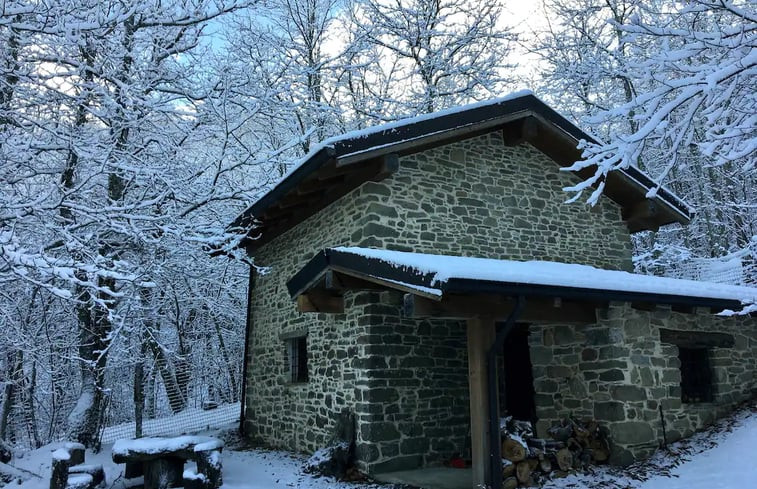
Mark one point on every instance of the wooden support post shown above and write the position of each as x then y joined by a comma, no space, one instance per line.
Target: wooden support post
481,334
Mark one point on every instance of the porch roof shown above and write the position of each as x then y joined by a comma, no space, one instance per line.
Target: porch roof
441,279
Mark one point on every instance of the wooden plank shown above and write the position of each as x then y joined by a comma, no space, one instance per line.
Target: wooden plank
389,284
538,310
433,139
320,301
481,333
339,282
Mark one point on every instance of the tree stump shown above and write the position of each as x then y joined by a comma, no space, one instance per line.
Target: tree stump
209,465
59,477
76,452
80,481
163,473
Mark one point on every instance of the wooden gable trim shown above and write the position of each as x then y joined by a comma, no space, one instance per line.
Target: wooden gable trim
341,165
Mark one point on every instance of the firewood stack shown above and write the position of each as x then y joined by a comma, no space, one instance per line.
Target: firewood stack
529,461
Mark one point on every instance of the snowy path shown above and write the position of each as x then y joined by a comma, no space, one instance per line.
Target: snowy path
730,465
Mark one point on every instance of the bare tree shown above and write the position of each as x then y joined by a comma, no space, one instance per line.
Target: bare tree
426,55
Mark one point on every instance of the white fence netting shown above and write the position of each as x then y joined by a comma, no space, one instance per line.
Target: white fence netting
736,268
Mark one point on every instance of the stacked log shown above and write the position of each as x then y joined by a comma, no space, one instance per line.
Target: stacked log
527,460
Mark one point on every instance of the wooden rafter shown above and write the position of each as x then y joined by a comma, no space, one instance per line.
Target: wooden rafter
520,131
299,205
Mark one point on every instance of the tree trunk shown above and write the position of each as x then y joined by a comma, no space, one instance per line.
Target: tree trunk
30,415
231,367
15,361
94,329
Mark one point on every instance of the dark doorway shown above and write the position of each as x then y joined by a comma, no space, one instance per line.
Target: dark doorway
518,393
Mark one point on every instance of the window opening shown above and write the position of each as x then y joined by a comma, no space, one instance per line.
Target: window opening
696,375
298,359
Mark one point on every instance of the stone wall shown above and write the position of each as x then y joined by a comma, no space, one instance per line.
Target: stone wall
412,396
619,372
481,198
476,198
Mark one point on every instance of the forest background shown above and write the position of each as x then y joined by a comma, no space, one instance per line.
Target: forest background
133,131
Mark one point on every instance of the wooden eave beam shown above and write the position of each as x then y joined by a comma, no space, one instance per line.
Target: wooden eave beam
295,209
640,213
383,284
339,282
320,300
537,310
319,184
520,131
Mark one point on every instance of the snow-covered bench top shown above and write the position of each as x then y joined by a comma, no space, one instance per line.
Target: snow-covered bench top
151,448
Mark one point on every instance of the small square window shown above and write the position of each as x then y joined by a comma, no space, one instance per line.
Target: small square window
696,376
297,351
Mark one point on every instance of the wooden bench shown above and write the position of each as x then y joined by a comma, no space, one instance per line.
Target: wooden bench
161,461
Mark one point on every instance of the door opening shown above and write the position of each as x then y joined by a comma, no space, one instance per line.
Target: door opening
518,394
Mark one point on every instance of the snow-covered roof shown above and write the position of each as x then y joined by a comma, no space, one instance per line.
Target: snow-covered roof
273,211
436,275
391,127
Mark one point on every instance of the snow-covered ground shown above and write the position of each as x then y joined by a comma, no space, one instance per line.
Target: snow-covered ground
723,457
242,469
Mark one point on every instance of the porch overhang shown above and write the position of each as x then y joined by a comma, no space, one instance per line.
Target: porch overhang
462,287
491,295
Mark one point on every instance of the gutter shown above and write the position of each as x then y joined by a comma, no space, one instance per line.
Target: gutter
246,359
495,442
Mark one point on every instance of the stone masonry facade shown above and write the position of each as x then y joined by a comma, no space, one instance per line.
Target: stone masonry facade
406,380
619,372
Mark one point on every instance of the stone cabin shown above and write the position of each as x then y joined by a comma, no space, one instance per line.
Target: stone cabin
374,298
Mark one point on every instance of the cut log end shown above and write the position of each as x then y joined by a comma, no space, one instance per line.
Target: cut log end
564,459
523,471
514,450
